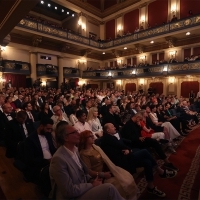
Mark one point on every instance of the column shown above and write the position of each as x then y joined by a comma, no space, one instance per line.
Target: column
102,31
33,62
60,71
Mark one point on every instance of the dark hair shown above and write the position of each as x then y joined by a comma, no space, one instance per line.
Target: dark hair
79,113
21,114
61,123
25,105
46,121
109,106
43,106
152,107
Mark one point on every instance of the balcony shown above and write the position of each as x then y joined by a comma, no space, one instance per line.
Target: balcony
165,29
148,71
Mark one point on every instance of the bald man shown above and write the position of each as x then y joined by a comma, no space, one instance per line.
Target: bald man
59,116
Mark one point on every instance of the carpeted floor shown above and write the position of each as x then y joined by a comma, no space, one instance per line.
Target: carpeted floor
186,185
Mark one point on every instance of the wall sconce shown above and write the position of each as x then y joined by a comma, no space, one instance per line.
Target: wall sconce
2,80
141,81
142,19
119,62
133,72
81,82
171,80
109,75
172,54
119,82
81,62
173,9
119,28
2,48
142,58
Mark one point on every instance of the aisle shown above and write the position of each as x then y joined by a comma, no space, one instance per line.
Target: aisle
186,184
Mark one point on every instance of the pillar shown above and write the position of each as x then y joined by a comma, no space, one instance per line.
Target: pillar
60,71
33,62
102,31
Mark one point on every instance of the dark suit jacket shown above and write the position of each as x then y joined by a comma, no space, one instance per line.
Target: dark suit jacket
18,104
113,149
114,119
14,134
3,123
34,155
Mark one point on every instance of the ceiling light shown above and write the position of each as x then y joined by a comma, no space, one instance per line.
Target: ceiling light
152,42
63,10
125,47
103,53
72,15
42,2
56,8
49,5
68,13
188,33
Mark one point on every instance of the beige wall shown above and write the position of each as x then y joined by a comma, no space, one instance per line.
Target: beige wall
93,29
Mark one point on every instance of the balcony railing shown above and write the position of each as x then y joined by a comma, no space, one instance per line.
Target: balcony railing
147,71
148,33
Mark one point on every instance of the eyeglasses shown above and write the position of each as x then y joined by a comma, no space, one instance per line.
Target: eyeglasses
74,132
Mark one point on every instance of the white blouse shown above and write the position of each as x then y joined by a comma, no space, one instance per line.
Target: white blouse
96,126
154,118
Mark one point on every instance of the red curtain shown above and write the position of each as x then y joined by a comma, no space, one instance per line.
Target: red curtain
186,5
128,61
154,58
157,12
196,51
130,87
157,87
134,59
187,53
17,80
161,56
187,86
110,29
131,21
111,64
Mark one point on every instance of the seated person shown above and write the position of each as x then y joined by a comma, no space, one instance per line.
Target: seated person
132,131
94,122
100,165
174,18
69,174
82,125
17,130
129,159
39,149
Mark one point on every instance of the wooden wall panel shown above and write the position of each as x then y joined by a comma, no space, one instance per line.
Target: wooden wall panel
130,87
154,58
96,3
187,86
186,5
110,29
157,87
109,3
131,21
134,59
196,51
128,61
158,12
161,56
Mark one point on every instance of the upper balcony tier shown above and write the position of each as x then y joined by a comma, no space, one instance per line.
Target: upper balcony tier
184,68
164,30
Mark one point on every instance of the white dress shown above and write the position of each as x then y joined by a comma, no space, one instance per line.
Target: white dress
173,133
96,126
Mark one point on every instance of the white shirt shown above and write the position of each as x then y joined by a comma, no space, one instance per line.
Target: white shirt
8,117
80,127
95,125
30,115
25,129
198,94
74,156
45,147
1,109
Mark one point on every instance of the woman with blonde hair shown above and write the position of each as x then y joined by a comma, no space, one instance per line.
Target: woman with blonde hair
99,165
94,122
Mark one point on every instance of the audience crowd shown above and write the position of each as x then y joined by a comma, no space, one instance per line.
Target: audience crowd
114,132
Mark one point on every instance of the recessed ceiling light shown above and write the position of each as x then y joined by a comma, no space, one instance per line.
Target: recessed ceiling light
42,2
63,10
152,42
125,47
68,13
56,8
49,5
188,33
103,53
72,15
